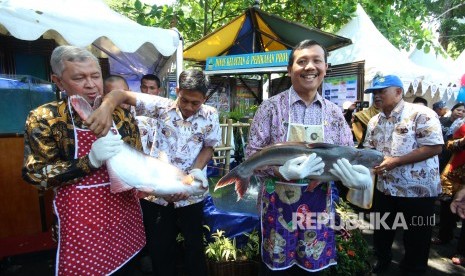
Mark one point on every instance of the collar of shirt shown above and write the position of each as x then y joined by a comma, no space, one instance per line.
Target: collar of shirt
396,112
294,97
174,106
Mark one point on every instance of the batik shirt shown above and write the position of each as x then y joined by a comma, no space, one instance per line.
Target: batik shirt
408,127
181,140
49,144
148,129
270,123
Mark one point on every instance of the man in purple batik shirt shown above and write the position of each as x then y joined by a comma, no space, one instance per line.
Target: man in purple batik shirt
300,114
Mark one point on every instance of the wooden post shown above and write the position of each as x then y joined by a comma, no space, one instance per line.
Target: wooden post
229,132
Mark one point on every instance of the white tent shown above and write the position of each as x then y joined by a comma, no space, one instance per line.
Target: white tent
438,62
133,49
459,63
380,56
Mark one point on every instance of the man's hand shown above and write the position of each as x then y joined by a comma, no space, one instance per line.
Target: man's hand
458,203
352,176
104,148
101,120
388,164
198,175
302,167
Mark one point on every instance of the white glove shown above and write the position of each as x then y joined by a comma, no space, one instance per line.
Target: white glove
354,177
302,167
104,148
198,175
163,157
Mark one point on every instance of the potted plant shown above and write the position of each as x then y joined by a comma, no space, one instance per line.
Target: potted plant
225,258
352,249
239,115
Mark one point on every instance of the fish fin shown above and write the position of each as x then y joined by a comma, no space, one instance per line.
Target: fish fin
312,185
97,102
116,184
242,183
321,145
81,106
241,188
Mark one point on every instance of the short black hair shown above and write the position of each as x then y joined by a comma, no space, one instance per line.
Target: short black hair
151,77
112,78
420,100
194,80
459,104
304,44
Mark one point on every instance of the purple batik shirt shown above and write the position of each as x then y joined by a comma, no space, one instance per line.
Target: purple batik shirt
270,123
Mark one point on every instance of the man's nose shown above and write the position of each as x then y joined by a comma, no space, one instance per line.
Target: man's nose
191,107
90,82
309,65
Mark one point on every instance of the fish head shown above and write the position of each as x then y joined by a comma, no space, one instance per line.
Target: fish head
368,157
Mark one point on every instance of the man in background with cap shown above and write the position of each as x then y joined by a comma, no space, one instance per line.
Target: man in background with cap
440,108
408,182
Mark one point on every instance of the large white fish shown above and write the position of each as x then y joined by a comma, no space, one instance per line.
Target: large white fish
131,168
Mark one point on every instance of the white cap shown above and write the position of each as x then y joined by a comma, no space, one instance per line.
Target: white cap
347,104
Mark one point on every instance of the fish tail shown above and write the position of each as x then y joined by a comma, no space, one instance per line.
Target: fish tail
241,181
116,184
312,185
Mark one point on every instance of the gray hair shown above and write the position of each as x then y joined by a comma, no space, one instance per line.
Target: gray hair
71,54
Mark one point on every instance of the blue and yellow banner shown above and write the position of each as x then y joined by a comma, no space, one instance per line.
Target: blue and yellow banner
257,60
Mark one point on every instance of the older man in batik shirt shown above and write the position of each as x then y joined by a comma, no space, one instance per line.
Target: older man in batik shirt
99,232
187,132
410,138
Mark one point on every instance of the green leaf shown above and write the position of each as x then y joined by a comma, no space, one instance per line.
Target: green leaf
138,5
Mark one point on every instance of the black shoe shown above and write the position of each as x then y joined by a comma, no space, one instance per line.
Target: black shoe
381,266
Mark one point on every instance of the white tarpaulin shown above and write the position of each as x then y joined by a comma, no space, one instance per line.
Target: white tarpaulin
133,49
379,54
437,62
459,63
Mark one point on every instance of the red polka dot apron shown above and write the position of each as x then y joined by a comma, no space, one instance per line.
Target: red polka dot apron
98,231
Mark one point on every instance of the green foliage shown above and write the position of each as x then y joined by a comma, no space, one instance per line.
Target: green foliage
328,15
224,249
403,23
448,15
237,114
352,249
251,250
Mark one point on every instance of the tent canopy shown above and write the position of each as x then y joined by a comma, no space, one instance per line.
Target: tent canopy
256,31
132,48
459,63
435,61
379,54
